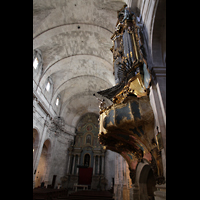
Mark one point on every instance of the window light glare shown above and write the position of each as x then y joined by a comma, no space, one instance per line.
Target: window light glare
35,63
48,86
57,101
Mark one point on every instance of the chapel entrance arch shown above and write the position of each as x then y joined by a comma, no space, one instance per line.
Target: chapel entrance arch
146,181
43,164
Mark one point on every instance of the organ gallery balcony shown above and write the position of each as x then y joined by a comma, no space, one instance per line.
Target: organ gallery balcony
127,126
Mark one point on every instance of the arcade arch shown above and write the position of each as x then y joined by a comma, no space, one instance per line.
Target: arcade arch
145,181
44,163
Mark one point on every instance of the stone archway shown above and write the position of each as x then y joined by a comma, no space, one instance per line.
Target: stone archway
145,182
159,36
43,164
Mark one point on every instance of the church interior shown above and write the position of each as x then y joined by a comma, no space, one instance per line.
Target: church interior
99,99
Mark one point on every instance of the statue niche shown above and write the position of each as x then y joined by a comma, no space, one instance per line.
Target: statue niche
86,160
88,139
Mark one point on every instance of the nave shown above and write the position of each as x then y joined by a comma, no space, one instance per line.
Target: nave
81,48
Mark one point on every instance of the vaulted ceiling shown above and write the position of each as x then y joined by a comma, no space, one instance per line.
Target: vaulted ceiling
74,38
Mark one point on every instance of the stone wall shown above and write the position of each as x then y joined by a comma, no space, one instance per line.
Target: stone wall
122,181
54,161
109,167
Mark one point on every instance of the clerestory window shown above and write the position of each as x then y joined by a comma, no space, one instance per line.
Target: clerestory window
48,86
35,63
57,101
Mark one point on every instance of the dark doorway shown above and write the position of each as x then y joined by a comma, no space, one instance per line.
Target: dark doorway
53,181
147,183
151,182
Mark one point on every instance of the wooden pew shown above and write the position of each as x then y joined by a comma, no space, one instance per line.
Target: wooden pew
48,194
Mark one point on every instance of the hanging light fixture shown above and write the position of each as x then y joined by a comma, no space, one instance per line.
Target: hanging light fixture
57,125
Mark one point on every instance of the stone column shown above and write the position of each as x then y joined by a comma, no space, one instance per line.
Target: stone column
100,170
98,166
46,174
120,192
120,170
126,189
102,164
77,164
120,185
131,192
68,165
39,151
35,148
73,164
116,170
94,165
116,178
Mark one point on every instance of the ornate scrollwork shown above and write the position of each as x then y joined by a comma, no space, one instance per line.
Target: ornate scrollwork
127,126
132,75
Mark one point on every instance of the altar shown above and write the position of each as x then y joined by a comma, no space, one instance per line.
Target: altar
82,186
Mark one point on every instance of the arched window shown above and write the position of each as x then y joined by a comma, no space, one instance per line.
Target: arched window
37,59
48,86
35,63
57,100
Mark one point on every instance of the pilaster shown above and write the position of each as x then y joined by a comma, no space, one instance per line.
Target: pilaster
77,169
69,160
73,164
102,164
94,165
98,166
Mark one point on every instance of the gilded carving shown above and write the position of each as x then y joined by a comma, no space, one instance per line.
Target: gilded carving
127,126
